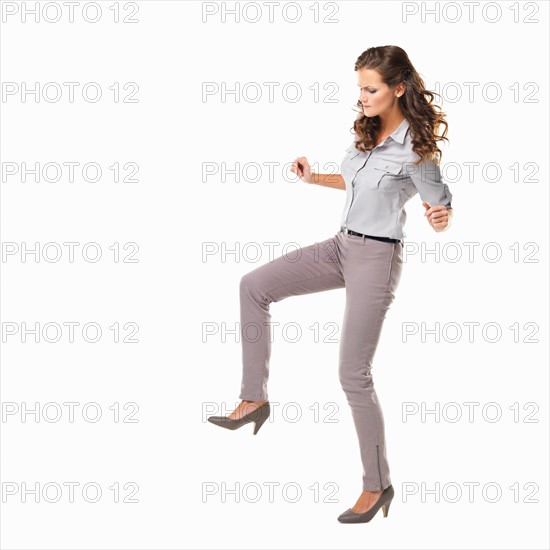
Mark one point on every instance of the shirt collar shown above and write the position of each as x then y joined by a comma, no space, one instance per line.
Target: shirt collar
399,133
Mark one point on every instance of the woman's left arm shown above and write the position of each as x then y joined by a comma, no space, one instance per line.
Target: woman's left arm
439,217
426,177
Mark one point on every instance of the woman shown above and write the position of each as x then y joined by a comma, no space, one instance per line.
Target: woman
393,157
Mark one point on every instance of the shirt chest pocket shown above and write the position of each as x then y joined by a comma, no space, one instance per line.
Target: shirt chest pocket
355,159
386,175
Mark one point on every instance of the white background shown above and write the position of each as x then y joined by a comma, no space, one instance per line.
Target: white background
174,373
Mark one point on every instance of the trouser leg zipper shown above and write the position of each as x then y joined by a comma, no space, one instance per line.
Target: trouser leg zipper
379,474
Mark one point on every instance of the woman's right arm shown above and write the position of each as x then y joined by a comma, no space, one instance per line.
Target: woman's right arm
302,169
336,181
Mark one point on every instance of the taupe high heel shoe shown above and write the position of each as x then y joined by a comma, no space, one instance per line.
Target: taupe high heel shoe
384,501
258,416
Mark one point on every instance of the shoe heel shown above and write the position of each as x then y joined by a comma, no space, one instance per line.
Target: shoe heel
386,508
259,423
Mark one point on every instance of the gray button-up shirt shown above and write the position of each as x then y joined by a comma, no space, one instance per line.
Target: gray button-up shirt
380,182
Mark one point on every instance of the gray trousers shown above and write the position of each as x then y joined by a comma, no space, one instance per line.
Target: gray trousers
370,271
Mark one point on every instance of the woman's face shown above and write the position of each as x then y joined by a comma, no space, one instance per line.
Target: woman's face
375,96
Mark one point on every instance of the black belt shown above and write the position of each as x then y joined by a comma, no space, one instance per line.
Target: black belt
384,239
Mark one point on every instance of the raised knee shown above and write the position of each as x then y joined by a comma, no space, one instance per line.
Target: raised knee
250,286
248,282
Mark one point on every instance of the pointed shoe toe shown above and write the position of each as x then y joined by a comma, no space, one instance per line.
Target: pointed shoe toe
345,516
223,421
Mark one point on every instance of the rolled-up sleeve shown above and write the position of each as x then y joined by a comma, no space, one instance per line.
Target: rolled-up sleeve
426,177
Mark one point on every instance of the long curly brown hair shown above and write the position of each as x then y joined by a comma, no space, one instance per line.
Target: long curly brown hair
425,118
